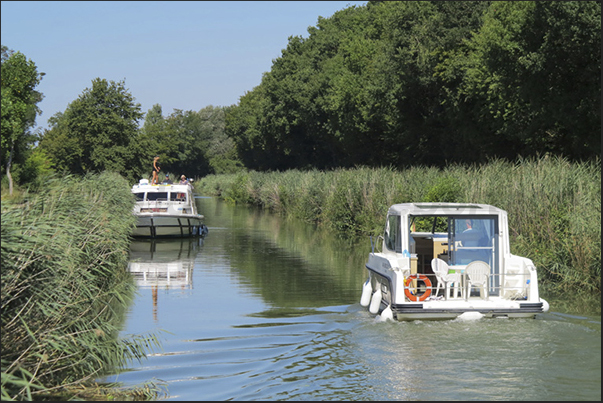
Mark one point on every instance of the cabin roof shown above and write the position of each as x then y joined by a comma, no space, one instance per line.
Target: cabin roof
160,188
444,209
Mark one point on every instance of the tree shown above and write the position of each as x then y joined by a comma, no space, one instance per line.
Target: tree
536,69
20,77
242,125
428,83
97,132
188,142
221,152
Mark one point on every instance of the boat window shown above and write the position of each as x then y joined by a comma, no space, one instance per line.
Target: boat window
431,224
473,239
392,236
177,196
157,196
139,196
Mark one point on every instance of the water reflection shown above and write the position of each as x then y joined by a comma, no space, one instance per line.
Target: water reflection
289,264
163,264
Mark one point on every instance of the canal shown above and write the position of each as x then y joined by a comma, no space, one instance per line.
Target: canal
266,308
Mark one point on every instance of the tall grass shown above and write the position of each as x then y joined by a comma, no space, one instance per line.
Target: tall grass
64,285
554,205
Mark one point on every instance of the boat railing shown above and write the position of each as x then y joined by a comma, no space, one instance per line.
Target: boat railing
499,285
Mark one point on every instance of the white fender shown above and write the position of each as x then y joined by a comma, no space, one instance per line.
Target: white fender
375,301
387,313
545,305
367,291
472,315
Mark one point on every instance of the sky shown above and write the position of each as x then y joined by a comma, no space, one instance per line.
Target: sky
180,54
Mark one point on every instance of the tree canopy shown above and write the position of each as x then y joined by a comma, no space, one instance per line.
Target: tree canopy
191,143
97,131
385,84
20,77
429,82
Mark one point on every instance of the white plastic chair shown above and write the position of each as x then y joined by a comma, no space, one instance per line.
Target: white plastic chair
440,269
478,274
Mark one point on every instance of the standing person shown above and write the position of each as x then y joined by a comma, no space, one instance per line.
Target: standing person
183,181
156,169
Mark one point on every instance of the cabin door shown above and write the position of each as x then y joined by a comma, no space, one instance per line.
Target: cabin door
475,238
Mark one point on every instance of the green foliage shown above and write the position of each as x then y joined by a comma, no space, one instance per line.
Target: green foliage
554,206
97,132
35,170
446,189
188,142
238,191
428,83
522,92
20,77
64,284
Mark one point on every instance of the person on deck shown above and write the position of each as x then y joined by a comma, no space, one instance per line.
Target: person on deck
183,180
167,180
156,169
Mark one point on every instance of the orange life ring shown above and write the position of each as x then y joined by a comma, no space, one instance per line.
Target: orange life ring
419,277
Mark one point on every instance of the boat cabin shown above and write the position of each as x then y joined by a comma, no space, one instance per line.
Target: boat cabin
163,198
166,211
457,234
419,238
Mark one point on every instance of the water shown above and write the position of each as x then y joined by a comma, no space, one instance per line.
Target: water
267,309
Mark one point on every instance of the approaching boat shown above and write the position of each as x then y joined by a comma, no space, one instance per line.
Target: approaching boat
444,260
166,211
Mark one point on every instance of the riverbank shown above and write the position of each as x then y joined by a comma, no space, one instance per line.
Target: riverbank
554,205
65,290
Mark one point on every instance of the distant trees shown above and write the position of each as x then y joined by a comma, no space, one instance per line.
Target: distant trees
386,84
100,131
20,77
188,142
422,82
97,131
533,78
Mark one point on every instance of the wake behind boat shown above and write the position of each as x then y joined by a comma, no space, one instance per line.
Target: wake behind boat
166,211
444,260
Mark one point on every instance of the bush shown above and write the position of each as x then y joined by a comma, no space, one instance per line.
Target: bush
64,284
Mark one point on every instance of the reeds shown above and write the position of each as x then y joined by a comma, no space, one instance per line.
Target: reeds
554,206
64,285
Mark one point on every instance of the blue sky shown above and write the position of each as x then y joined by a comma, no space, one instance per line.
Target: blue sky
179,54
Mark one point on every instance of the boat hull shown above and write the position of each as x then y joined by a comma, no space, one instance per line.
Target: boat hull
169,226
443,312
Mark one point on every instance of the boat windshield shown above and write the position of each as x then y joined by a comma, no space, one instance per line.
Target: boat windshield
174,196
157,196
392,236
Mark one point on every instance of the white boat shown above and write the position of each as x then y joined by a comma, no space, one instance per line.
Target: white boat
444,260
166,211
